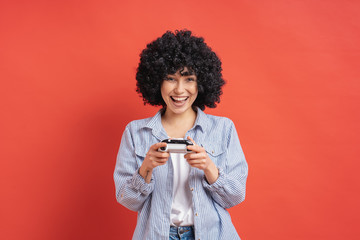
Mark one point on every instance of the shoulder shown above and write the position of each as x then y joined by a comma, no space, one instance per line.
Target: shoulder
218,133
139,129
218,129
139,135
138,124
218,122
145,123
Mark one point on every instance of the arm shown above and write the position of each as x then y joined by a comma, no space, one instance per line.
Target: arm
226,185
131,189
230,187
153,159
134,184
201,160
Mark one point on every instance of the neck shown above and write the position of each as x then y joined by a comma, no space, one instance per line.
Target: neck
176,125
173,118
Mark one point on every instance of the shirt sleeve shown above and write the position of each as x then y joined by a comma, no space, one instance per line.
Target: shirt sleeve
130,187
230,187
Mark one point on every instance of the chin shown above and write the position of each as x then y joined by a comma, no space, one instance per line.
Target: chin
180,110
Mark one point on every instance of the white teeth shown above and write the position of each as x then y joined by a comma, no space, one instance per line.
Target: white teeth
179,98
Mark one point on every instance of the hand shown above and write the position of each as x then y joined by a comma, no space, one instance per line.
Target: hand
153,159
201,160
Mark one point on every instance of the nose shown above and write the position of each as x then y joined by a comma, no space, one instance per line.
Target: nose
179,88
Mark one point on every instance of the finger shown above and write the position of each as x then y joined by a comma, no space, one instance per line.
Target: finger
161,161
192,140
199,166
193,155
196,148
158,145
197,161
155,156
197,152
159,154
157,162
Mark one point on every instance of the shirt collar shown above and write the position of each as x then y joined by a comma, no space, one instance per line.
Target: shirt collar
156,127
201,121
158,131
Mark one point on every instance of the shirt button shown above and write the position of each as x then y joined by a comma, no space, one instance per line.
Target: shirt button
191,189
196,214
212,151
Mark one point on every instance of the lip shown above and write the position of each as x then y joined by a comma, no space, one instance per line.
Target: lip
179,98
179,101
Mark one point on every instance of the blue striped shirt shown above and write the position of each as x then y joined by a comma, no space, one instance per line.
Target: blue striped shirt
153,201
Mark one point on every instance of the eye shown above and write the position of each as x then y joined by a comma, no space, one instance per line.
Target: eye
190,79
169,79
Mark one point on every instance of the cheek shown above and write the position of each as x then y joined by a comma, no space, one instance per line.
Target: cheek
195,90
194,94
163,90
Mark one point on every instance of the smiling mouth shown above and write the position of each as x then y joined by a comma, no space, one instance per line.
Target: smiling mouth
179,99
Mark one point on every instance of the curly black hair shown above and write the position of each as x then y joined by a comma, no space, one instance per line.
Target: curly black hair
175,51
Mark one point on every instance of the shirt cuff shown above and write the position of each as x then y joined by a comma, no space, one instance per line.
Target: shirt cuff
218,184
139,184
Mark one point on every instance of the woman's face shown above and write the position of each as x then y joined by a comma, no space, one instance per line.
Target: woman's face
179,91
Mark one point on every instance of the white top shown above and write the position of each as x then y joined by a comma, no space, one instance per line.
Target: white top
182,213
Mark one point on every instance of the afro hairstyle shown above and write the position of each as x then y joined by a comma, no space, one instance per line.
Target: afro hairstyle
173,52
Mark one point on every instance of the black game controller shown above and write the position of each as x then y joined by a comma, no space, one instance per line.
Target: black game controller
176,146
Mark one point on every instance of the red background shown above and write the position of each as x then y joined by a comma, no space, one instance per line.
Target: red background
67,71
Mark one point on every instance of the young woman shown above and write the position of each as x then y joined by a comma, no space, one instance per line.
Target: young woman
178,195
